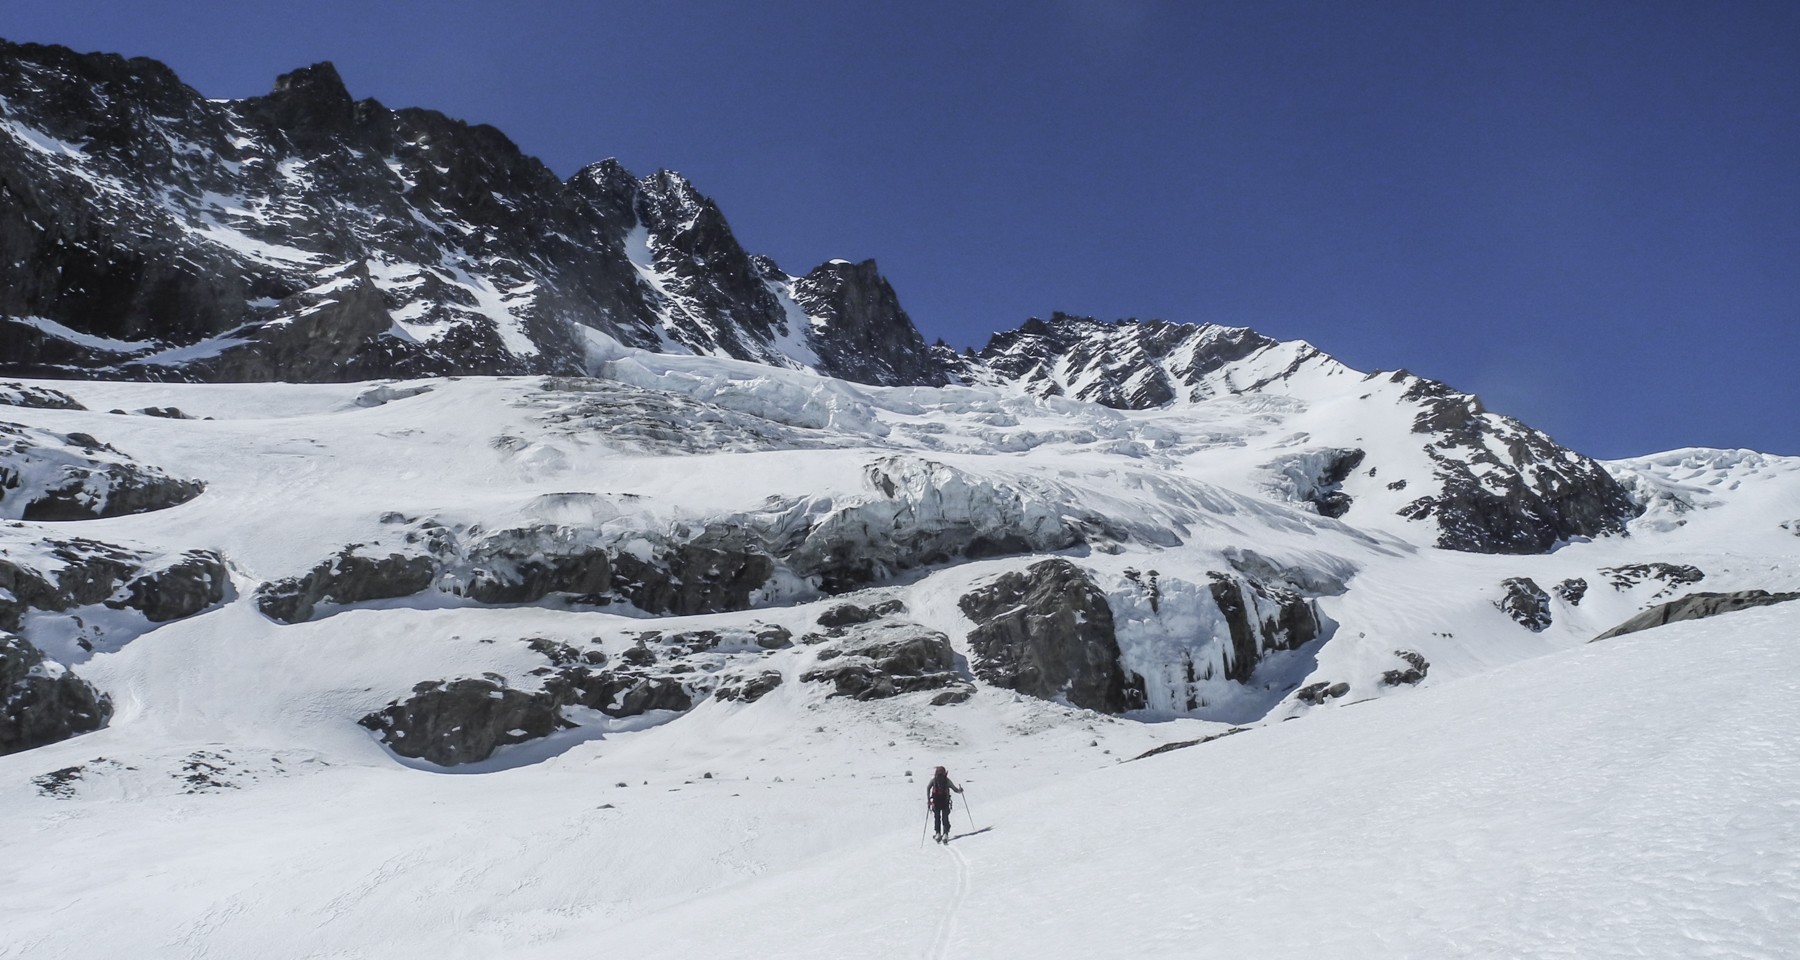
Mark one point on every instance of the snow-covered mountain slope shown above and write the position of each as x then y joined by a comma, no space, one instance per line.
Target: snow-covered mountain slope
641,640
1604,802
1607,801
1387,445
305,236
757,598
152,233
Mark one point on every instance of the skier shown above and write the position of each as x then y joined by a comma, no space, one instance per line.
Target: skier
937,799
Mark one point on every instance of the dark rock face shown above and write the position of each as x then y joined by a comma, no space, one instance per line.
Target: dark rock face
619,693
1526,603
885,659
1572,590
89,572
135,230
1294,623
849,614
1696,606
179,590
718,568
1327,493
1048,632
41,702
21,395
1535,496
1318,693
1129,365
1672,576
349,577
54,476
1416,669
749,689
774,638
866,337
463,721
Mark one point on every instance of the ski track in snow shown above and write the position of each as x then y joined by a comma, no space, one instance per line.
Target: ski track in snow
940,946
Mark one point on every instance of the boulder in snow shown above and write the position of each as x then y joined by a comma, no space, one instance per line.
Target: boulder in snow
1526,603
1047,631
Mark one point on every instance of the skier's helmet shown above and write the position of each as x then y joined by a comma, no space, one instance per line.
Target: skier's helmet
941,772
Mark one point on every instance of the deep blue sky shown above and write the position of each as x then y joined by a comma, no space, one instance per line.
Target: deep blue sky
1586,212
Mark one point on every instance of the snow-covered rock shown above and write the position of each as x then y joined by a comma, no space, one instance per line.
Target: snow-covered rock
1695,606
56,476
41,701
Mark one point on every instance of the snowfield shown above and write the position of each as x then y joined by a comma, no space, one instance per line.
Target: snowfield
1531,795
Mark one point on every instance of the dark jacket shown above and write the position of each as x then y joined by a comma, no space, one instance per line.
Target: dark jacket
937,792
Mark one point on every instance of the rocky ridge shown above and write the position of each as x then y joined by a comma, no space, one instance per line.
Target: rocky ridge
307,235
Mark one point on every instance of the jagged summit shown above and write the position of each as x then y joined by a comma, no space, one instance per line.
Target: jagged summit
202,240
1129,364
319,90
308,236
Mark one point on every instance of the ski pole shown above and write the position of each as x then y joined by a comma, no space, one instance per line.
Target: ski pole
967,812
923,828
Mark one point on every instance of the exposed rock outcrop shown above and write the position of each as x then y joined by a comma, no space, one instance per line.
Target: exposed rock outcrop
863,334
61,585
1504,487
1695,606
1317,693
349,577
70,574
44,398
464,721
1671,576
1130,364
1048,632
849,614
1572,590
1261,618
1416,669
886,658
41,701
53,476
1526,603
622,693
748,689
306,235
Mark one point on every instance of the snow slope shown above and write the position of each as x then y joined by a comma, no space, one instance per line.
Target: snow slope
1534,796
1602,802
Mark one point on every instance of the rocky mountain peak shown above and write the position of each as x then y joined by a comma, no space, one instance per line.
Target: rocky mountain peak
865,333
311,98
1129,364
154,234
320,83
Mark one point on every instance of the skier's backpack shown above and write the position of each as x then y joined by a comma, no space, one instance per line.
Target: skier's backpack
939,792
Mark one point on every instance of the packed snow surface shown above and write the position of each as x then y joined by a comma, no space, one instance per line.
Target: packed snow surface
1536,795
